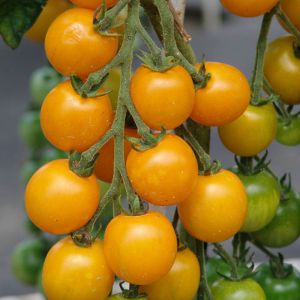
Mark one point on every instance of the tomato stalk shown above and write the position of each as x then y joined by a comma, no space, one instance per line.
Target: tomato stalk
258,73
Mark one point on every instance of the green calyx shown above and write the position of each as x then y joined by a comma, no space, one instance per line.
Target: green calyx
80,165
202,77
279,268
157,62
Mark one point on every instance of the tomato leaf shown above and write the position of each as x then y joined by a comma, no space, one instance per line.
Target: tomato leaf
16,17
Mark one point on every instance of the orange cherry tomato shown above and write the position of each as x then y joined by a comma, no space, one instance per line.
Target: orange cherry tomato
73,46
58,201
104,169
71,272
249,8
292,10
163,99
181,283
140,249
93,4
164,174
216,209
71,122
52,9
225,97
252,132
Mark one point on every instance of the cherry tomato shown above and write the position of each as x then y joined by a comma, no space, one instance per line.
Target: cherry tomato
42,81
58,201
163,99
93,4
104,168
276,288
71,122
140,249
164,174
282,69
289,134
216,209
224,99
113,84
73,46
53,8
246,289
27,260
71,272
263,193
249,8
284,228
182,281
252,132
292,10
30,130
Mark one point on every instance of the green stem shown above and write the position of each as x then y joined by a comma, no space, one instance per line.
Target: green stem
239,247
258,73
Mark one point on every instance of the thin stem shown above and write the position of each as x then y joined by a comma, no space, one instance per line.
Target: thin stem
239,247
258,73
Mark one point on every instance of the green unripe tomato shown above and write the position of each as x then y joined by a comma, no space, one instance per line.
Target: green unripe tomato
289,134
42,81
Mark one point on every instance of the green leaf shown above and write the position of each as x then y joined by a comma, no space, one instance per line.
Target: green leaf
16,17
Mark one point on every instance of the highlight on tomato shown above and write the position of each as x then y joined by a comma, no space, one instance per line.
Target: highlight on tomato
140,249
93,4
185,273
74,47
58,201
216,209
71,272
163,99
225,97
164,174
71,122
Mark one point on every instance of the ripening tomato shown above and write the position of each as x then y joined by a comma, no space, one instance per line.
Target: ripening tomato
71,122
249,8
140,249
292,10
104,168
52,9
73,46
163,99
164,174
252,132
93,4
216,209
58,201
282,69
71,272
224,99
182,281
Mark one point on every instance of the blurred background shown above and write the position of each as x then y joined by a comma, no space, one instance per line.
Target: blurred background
217,35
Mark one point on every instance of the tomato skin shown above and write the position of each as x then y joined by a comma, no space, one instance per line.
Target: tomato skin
71,272
164,174
249,8
185,273
53,8
246,289
252,132
224,99
30,130
58,201
71,122
140,249
93,4
263,192
292,10
282,69
42,81
74,47
278,288
202,214
174,87
284,228
104,168
27,260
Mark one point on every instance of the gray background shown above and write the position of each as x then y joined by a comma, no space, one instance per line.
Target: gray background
233,43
